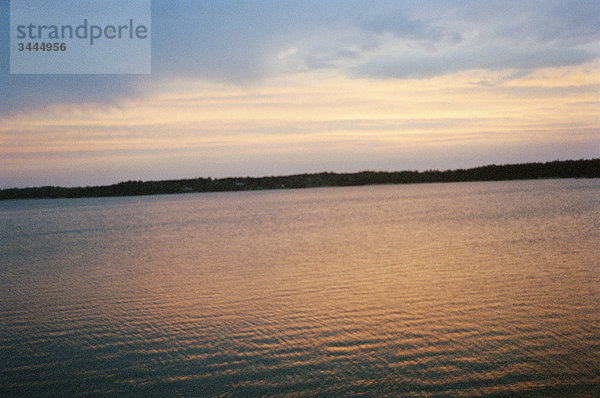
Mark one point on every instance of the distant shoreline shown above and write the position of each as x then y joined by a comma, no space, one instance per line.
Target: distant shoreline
584,168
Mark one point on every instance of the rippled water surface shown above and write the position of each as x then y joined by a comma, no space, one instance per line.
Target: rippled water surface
466,289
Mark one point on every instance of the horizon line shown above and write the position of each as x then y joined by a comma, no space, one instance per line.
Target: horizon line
308,174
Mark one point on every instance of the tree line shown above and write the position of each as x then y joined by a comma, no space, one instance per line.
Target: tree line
584,168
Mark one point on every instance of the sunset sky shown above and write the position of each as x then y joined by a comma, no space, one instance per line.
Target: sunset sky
258,88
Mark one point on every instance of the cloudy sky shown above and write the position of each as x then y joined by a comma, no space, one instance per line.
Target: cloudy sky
279,87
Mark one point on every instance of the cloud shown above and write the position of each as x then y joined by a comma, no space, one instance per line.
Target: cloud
543,22
225,41
419,65
29,92
246,42
435,38
418,30
492,35
233,41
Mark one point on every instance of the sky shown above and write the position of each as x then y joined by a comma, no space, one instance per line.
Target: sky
255,88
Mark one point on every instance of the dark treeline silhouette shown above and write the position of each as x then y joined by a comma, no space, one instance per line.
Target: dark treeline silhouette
557,169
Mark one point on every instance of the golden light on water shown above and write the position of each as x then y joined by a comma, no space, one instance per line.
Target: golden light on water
431,289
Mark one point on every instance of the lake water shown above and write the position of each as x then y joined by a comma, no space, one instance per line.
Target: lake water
464,289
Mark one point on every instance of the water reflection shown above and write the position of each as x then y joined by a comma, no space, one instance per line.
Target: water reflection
467,289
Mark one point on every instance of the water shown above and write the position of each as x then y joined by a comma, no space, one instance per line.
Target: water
466,289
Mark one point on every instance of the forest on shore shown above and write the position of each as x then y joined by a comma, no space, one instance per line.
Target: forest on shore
584,168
